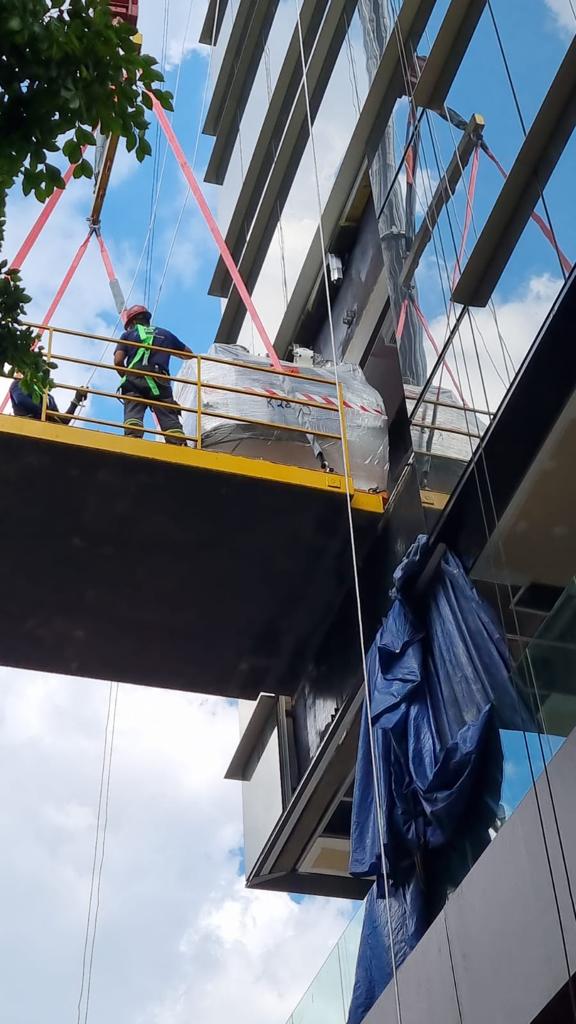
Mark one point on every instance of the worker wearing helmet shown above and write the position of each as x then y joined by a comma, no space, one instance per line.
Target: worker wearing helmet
145,348
30,405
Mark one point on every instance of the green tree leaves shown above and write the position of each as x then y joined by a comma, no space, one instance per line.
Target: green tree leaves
65,70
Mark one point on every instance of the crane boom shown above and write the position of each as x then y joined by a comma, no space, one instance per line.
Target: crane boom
127,10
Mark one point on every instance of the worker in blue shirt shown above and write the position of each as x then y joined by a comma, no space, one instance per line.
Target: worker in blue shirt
142,348
30,405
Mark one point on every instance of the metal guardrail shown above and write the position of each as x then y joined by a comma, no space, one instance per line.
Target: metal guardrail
425,430
336,407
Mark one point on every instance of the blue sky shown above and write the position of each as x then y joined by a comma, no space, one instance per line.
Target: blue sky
520,764
535,41
180,938
535,44
189,311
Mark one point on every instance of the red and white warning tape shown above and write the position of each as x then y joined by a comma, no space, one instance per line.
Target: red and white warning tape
326,400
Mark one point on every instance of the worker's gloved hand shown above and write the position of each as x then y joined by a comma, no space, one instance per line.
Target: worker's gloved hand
81,395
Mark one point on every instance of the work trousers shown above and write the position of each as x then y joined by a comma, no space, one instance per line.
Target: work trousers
168,415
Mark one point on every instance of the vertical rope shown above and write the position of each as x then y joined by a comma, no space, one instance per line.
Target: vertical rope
482,456
514,613
377,797
116,687
281,243
136,274
196,144
410,84
155,170
524,129
95,857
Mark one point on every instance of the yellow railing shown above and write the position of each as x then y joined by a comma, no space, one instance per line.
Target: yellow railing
202,386
426,430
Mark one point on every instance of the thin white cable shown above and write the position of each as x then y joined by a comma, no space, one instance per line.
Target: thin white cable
441,171
156,185
242,179
101,793
448,304
491,305
195,153
116,687
410,93
506,356
341,413
409,87
483,458
105,348
503,559
352,68
283,270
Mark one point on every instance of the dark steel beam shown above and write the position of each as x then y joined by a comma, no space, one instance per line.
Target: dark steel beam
209,30
444,191
445,57
241,58
277,114
386,88
531,171
261,218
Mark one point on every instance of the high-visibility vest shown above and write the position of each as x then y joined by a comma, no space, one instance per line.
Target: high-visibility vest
146,335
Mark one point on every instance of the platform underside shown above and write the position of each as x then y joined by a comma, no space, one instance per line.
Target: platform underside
124,561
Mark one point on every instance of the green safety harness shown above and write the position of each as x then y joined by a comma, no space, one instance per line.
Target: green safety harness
142,357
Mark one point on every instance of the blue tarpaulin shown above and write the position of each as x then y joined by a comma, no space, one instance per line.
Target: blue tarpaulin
440,691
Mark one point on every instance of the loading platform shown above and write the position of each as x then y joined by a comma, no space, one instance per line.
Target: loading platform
169,566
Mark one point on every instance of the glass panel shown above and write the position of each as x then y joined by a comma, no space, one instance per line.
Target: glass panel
269,293
487,348
524,759
546,677
549,667
333,128
356,56
263,86
226,197
328,998
490,344
323,1002
552,658
223,37
348,950
277,44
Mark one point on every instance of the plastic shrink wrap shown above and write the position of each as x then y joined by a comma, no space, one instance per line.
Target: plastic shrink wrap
366,423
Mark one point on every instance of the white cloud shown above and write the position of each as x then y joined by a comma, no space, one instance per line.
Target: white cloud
182,13
87,305
478,358
564,12
179,937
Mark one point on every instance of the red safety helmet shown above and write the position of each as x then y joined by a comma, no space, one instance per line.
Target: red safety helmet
135,311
